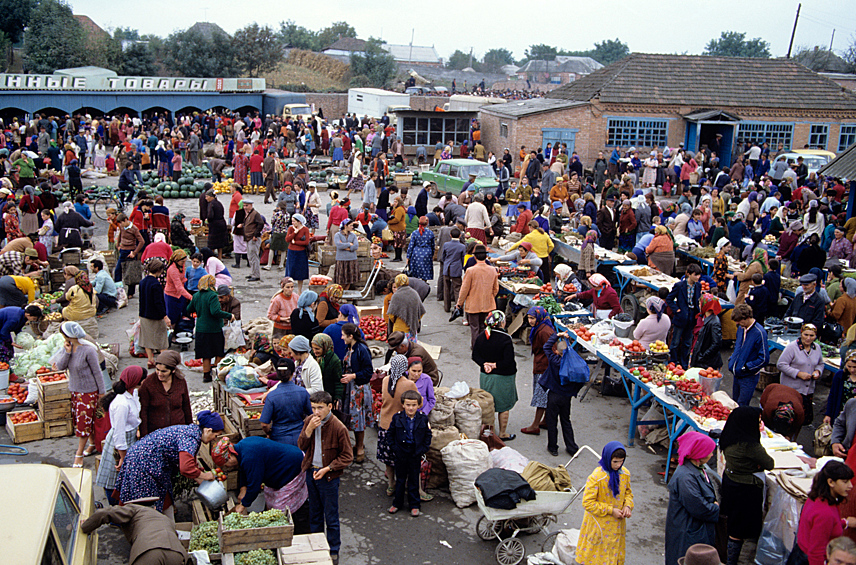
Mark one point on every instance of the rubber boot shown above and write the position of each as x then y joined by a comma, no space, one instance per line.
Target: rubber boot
206,378
397,254
734,548
237,261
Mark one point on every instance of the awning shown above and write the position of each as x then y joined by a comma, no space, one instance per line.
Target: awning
711,116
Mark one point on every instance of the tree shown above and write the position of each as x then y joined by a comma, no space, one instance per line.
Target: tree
101,50
377,65
298,37
258,49
541,52
495,59
735,44
329,35
53,39
849,56
14,17
190,53
126,34
458,61
609,51
138,60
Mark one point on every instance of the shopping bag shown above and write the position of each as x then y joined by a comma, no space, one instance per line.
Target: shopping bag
731,291
234,334
573,368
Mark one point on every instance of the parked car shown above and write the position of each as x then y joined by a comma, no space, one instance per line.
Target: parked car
451,174
418,90
814,159
45,526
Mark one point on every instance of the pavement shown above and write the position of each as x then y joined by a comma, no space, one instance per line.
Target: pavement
443,534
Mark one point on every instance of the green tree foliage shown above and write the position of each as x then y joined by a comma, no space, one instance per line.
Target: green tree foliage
459,60
735,44
329,35
257,49
541,52
609,51
101,50
377,64
298,37
138,60
189,53
14,17
53,39
126,34
495,59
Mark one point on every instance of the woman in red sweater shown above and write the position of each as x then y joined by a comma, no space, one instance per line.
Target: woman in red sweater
820,520
605,303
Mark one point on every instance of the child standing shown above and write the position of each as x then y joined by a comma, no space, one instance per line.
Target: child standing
608,502
758,298
176,166
46,236
559,397
410,438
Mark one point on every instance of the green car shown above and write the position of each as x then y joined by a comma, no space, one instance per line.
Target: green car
451,174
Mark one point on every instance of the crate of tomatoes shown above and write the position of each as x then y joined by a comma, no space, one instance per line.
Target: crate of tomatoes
53,385
24,426
374,328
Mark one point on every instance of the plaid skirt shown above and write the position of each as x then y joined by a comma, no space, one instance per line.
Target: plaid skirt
347,272
292,496
107,473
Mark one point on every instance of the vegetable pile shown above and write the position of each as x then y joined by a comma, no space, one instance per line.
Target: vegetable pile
548,302
546,288
26,363
23,417
266,519
18,392
204,536
711,408
570,288
584,334
319,280
256,557
374,327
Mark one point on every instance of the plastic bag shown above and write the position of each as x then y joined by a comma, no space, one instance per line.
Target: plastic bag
240,377
468,417
508,458
566,546
823,440
32,391
779,531
234,335
465,460
573,368
459,390
731,291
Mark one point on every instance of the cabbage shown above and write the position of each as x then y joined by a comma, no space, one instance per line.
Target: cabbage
29,361
25,340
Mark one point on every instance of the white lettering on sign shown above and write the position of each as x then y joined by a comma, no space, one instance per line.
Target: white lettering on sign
148,83
34,81
131,83
78,82
163,84
56,82
111,82
125,83
13,81
179,84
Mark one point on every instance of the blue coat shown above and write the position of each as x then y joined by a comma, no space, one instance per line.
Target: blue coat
751,352
834,402
684,313
692,514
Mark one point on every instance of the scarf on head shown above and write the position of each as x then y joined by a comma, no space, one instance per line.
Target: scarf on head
606,465
411,211
694,445
333,293
305,302
591,237
710,302
850,287
494,320
742,426
397,369
132,376
541,318
82,280
350,311
760,256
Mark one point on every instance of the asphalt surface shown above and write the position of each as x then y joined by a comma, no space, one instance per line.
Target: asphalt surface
443,534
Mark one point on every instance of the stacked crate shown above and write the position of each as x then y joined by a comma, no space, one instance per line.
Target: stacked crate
54,405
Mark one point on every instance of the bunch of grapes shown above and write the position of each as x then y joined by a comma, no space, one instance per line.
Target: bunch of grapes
268,518
204,536
256,557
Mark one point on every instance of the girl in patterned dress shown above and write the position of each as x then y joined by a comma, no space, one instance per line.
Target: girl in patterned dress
420,252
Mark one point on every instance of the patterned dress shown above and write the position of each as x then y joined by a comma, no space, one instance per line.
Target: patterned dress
151,463
420,252
359,398
241,164
602,536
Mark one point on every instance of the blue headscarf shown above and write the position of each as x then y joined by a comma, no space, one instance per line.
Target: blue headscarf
350,311
305,302
411,211
541,318
606,465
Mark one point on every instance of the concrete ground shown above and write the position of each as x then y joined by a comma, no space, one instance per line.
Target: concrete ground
444,533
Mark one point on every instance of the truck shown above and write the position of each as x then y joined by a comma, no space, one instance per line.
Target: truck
374,102
295,111
468,103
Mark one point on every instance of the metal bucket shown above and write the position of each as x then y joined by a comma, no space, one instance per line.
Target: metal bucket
710,385
212,494
623,329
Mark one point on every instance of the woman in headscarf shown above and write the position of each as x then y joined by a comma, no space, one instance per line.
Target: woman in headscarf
604,299
215,267
30,206
331,366
151,463
154,322
218,229
706,352
412,221
563,273
297,259
164,397
493,352
210,341
393,386
347,315
357,372
693,510
85,382
420,252
742,482
397,223
754,211
626,227
405,309
655,326
801,364
327,310
304,320
814,221
758,264
541,331
82,303
588,259
844,308
10,221
608,502
720,263
175,293
661,251
123,407
282,304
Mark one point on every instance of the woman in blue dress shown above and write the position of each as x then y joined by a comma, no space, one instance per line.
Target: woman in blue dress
420,252
152,462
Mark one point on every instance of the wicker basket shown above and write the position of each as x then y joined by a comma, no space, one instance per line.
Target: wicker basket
767,376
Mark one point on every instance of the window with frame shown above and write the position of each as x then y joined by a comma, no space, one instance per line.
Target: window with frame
503,130
771,132
65,521
847,136
430,131
818,137
630,131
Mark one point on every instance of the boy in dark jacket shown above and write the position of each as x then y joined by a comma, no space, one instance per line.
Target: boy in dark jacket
758,298
559,396
410,438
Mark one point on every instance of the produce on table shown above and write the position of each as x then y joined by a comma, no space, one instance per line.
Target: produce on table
7,400
789,284
692,387
17,391
26,363
266,519
256,557
55,378
584,334
659,347
548,302
204,537
570,289
374,327
634,346
219,474
710,373
710,408
255,415
23,417
642,373
193,363
319,280
705,286
702,252
546,288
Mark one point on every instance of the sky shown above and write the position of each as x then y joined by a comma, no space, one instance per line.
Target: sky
644,27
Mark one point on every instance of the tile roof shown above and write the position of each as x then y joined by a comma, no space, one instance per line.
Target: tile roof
562,64
843,166
207,29
695,80
414,54
351,44
523,108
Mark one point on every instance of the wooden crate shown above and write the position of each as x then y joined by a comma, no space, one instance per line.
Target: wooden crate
236,403
62,428
58,410
201,241
248,426
233,541
219,395
53,392
229,558
366,264
306,549
21,433
200,512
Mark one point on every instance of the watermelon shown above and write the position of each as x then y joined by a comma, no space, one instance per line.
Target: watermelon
173,186
182,194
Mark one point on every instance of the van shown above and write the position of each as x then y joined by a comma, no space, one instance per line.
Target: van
297,111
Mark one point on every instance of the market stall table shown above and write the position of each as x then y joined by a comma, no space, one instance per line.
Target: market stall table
573,253
655,280
779,343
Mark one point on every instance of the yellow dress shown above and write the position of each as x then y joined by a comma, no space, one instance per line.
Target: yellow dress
602,535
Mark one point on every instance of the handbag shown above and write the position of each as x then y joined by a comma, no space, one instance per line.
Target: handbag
424,469
488,435
132,272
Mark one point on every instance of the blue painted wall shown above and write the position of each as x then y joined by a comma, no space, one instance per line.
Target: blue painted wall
32,101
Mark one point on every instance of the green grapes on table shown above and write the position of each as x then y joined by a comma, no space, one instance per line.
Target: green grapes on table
256,557
204,536
266,519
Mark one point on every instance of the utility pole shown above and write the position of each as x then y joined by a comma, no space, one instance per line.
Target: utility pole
412,33
471,58
794,31
831,40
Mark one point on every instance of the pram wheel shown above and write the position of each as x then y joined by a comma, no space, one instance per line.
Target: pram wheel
510,552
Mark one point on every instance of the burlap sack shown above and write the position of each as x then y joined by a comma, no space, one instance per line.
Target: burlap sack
485,400
468,417
441,436
443,413
544,478
465,460
440,391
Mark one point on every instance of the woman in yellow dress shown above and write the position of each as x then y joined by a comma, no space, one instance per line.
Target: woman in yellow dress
608,502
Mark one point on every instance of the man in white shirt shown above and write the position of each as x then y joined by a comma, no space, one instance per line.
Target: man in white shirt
477,218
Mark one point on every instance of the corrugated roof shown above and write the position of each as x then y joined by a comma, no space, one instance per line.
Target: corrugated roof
529,107
415,54
562,64
695,80
348,44
843,166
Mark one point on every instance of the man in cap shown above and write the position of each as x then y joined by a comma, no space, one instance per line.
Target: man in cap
228,302
399,343
269,174
607,223
808,305
253,226
17,263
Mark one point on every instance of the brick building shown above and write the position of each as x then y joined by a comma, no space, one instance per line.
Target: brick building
647,100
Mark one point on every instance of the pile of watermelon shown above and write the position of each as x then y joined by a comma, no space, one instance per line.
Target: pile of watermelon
185,187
